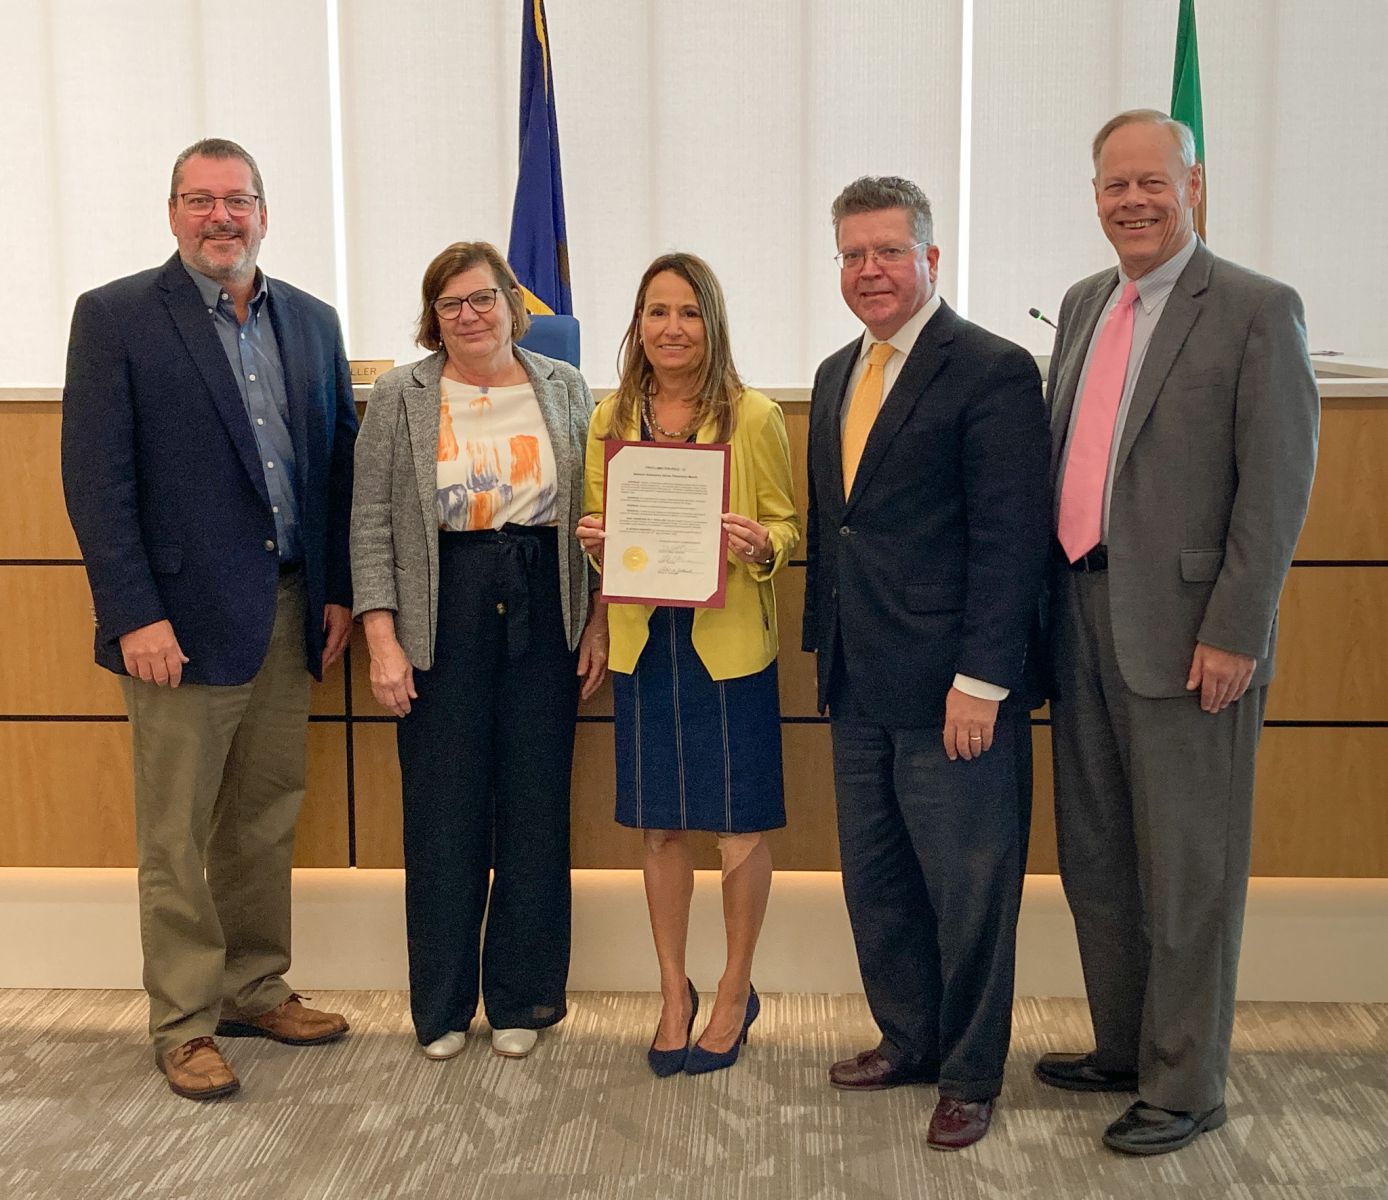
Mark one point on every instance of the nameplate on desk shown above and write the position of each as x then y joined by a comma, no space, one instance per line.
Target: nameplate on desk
366,370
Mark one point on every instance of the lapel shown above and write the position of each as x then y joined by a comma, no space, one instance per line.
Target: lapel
1087,311
927,358
289,335
835,388
181,296
421,399
1182,308
553,398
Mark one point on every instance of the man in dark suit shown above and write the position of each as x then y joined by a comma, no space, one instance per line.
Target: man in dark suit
1183,416
207,439
927,543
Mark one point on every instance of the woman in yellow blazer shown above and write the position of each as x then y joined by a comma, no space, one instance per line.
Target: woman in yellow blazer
694,690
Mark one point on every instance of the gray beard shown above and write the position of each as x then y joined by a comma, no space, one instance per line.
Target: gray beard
242,268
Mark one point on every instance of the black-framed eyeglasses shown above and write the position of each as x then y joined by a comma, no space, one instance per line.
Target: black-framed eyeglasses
481,301
852,260
238,204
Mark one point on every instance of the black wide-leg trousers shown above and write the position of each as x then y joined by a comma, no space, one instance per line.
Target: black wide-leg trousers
485,759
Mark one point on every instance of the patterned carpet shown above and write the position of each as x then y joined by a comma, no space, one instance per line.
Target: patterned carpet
85,1116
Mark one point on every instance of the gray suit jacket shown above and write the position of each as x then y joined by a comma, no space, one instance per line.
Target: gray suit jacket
395,531
1213,471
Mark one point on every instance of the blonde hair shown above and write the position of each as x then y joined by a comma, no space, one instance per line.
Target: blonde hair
719,385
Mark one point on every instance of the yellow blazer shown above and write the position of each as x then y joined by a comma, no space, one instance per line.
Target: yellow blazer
740,638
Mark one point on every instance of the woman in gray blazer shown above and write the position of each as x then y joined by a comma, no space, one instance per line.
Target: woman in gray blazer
475,598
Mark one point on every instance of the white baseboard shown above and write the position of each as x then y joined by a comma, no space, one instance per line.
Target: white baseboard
1304,939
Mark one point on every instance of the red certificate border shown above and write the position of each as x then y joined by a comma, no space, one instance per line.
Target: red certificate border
718,597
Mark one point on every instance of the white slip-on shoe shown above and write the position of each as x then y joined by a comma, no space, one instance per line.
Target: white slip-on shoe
513,1043
449,1046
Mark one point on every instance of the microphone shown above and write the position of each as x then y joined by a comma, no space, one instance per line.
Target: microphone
1040,316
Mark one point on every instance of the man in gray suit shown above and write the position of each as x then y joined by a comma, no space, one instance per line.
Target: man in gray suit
1184,417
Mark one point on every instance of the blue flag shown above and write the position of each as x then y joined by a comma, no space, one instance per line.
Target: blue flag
539,251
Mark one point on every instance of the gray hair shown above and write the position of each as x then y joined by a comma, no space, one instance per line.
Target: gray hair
1180,132
216,148
873,193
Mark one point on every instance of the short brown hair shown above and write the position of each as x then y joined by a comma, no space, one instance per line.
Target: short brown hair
216,148
720,386
873,193
462,256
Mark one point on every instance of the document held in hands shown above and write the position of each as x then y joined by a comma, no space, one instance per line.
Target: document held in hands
663,506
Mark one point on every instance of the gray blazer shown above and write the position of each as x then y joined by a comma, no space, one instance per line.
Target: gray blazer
1214,467
395,531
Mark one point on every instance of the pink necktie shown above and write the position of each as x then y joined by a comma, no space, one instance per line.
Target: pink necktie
1086,466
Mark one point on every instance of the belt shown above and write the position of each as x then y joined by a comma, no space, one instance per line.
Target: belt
290,568
519,549
1095,560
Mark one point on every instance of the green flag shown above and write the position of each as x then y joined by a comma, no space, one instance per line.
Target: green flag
1185,97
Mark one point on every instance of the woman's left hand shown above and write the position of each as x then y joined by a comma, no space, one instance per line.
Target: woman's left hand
748,541
592,650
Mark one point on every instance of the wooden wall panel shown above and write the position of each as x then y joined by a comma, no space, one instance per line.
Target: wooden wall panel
1320,809
1348,517
66,796
1332,657
795,668
376,773
1321,803
321,839
46,629
31,486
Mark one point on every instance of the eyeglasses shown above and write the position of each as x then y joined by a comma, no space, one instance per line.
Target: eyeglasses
853,260
481,301
238,204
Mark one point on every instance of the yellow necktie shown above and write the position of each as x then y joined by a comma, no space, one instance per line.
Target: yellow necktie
862,411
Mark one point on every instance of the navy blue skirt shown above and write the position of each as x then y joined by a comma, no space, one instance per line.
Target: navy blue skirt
694,752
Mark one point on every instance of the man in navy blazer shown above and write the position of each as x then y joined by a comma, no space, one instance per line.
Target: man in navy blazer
927,545
208,429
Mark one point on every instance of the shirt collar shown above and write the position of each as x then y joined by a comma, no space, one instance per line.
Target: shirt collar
1156,285
211,291
903,341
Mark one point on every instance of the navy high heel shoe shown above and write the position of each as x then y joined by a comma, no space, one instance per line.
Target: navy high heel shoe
700,1061
671,1062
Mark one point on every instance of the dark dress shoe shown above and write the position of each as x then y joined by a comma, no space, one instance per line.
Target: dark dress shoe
1077,1073
958,1123
1146,1129
871,1072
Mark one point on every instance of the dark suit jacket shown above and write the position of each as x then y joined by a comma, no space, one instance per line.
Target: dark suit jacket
1214,467
934,565
165,488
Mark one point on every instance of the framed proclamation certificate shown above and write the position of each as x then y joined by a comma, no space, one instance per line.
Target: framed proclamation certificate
663,505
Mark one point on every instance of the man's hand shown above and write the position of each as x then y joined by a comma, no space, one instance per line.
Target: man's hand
969,724
592,649
1221,675
153,654
337,625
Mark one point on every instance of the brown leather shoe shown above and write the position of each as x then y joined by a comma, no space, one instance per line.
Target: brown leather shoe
197,1070
290,1023
958,1123
871,1072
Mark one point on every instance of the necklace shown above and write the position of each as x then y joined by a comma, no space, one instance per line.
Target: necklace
677,435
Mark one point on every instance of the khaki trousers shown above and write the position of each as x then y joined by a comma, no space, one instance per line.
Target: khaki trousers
219,777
